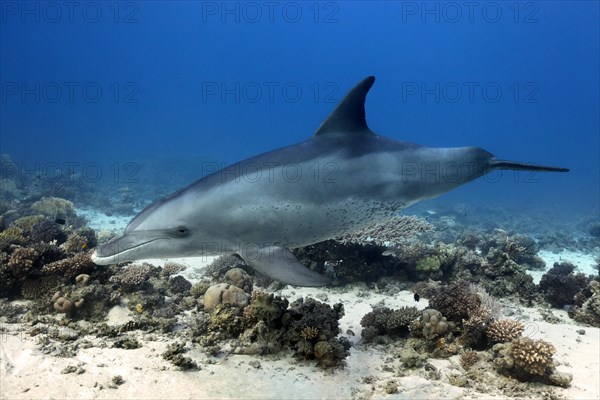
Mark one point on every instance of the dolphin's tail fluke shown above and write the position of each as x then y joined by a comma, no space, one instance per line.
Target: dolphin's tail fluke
519,166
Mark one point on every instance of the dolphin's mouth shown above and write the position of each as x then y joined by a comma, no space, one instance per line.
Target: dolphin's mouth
122,249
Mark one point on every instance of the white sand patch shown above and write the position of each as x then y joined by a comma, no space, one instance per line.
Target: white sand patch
118,315
102,222
194,265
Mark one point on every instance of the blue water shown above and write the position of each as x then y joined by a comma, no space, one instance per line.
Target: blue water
150,92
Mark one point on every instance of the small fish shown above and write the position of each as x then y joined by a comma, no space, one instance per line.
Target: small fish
84,246
60,221
431,212
417,297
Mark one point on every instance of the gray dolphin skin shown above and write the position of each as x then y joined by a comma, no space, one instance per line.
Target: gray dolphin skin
343,178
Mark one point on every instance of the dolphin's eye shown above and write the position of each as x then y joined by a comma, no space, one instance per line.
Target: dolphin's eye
181,231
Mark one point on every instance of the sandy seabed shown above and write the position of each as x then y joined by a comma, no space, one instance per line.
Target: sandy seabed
26,373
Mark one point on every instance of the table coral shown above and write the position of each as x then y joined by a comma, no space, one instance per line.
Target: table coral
54,207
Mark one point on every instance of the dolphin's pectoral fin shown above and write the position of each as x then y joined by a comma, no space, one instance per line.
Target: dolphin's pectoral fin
280,264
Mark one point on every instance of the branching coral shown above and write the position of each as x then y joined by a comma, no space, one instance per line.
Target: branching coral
75,243
26,223
11,235
385,321
504,330
475,326
428,264
390,232
22,260
70,267
179,285
47,231
35,289
456,302
133,276
488,301
533,356
172,268
560,284
309,333
588,311
468,359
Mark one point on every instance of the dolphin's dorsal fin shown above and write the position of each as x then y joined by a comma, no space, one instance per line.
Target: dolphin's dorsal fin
349,115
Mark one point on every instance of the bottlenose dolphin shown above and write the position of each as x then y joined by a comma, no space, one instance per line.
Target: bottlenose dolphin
344,177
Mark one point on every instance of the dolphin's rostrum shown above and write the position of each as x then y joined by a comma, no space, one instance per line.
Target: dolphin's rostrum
344,177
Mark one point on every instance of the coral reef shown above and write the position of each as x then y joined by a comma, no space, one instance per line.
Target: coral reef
225,294
385,321
456,302
390,232
504,330
367,254
38,288
239,278
431,325
560,285
473,333
324,346
47,231
528,359
22,260
13,235
55,208
70,267
174,354
132,277
266,308
468,359
172,268
587,307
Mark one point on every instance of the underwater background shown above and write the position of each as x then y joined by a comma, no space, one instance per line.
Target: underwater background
146,97
489,291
